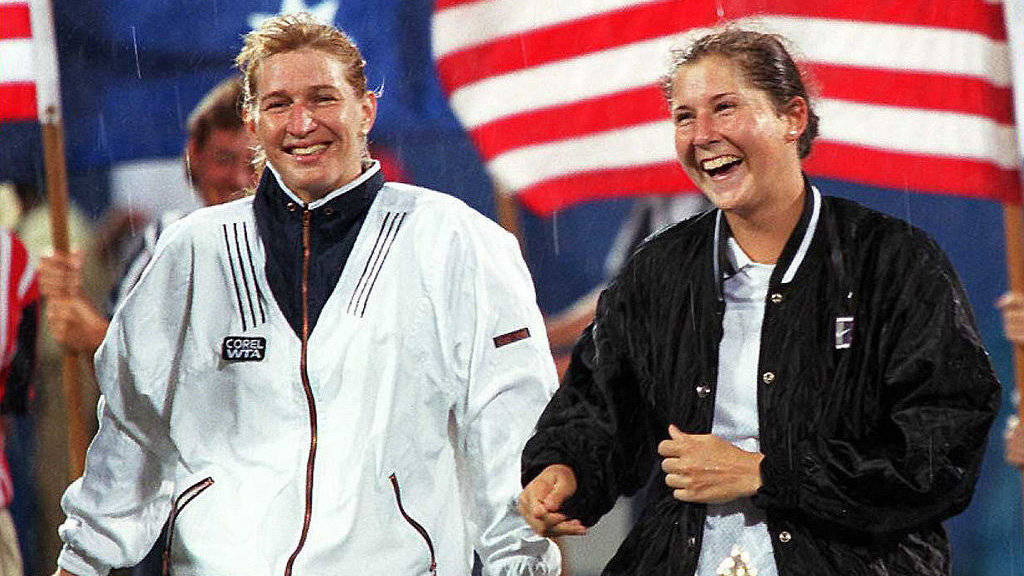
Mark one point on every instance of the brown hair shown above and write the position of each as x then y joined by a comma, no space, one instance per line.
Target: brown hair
293,32
218,110
765,62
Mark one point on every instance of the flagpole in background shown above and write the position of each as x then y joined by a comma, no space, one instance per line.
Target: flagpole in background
51,121
1013,12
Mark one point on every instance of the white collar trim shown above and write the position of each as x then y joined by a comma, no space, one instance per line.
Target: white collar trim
373,168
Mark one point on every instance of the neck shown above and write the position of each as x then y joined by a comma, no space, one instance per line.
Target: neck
762,232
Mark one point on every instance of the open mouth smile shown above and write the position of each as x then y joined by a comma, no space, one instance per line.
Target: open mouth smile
720,165
307,150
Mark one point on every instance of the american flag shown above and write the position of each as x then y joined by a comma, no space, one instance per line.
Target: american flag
562,99
28,61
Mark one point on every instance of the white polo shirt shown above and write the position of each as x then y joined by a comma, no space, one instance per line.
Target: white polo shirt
739,526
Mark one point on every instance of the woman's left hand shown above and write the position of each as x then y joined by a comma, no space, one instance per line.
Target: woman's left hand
705,468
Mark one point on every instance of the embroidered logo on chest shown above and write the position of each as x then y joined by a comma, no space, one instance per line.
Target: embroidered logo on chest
243,348
844,332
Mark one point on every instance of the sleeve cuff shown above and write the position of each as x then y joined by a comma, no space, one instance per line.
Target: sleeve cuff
549,564
779,485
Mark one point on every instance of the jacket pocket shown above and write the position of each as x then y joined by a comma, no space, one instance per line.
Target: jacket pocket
183,499
416,525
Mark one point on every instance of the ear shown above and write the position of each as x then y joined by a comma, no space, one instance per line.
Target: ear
249,119
191,148
795,116
369,109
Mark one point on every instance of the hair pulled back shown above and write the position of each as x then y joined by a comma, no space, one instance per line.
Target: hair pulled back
764,61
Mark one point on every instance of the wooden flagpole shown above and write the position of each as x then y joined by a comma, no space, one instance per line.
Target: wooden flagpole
507,208
1013,219
50,117
57,197
1013,14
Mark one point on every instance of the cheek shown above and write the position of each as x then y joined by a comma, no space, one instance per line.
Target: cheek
682,144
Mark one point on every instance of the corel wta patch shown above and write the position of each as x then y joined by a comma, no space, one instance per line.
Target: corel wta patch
516,336
243,348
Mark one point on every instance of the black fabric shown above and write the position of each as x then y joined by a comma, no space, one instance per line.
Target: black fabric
18,384
867,449
334,227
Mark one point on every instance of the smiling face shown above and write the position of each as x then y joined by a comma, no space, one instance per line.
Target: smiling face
736,146
310,121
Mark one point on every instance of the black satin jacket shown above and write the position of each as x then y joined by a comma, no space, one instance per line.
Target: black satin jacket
875,395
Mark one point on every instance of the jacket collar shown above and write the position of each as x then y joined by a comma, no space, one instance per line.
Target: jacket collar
793,253
371,171
275,205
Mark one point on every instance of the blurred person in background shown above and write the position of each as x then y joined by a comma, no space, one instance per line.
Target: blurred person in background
218,160
649,215
40,447
18,321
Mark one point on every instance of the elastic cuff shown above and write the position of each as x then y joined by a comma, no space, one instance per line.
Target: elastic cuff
78,565
780,485
550,564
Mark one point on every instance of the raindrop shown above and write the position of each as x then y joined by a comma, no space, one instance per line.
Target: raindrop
135,46
554,232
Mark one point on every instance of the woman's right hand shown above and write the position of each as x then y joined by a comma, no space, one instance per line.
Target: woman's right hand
542,498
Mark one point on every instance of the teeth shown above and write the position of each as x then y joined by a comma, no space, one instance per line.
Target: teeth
309,150
718,162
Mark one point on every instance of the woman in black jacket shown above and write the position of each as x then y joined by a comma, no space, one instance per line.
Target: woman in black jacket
806,372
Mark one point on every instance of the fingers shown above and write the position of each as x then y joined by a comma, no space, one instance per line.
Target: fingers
543,497
567,528
74,323
60,274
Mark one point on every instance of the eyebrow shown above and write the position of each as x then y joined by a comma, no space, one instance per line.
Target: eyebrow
713,98
309,89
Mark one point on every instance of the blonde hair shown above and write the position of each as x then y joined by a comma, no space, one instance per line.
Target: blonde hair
291,32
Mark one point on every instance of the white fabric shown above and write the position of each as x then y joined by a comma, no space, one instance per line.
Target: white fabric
415,387
10,554
739,522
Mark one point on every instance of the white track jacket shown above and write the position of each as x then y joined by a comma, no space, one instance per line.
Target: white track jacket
388,445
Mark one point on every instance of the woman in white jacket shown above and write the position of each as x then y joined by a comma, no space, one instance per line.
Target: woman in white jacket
334,375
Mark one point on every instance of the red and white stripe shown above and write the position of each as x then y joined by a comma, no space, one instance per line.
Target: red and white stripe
18,289
28,61
17,80
563,103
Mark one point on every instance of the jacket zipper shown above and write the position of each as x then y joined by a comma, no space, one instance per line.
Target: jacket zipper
311,460
416,525
180,502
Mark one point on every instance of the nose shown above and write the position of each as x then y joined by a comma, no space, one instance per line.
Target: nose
300,120
703,130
